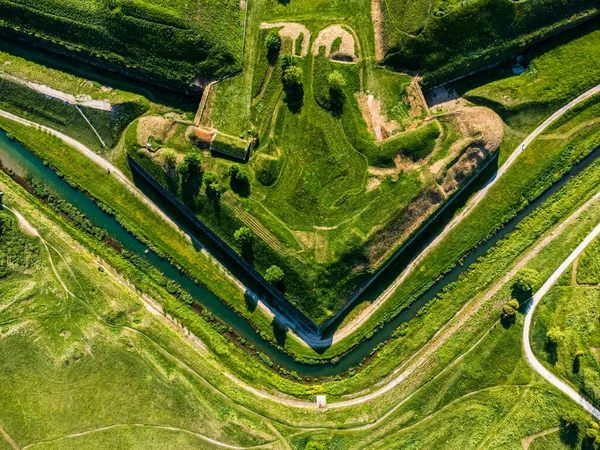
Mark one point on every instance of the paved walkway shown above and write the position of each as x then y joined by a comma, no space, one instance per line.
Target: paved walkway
531,359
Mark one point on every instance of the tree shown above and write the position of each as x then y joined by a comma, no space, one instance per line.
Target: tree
273,43
243,236
526,280
514,304
233,170
313,445
292,76
288,61
210,178
554,336
274,275
169,158
336,80
191,165
508,312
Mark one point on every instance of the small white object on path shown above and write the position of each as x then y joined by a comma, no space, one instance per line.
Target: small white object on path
321,402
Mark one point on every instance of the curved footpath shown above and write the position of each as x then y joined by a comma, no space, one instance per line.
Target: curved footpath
311,339
533,361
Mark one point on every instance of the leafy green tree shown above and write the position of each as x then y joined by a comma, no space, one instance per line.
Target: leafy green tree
233,170
288,61
210,178
273,43
274,275
554,336
514,304
336,80
314,445
169,158
526,280
508,312
292,76
243,236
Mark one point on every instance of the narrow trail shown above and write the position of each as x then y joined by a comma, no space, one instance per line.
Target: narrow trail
10,440
535,300
143,425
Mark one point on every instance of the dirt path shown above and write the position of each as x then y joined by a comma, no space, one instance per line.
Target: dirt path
10,440
86,101
143,425
526,442
377,19
292,31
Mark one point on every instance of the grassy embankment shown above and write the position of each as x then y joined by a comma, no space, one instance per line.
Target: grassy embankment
24,101
452,40
102,356
172,43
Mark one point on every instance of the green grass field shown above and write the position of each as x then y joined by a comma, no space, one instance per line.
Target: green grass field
173,43
451,39
130,392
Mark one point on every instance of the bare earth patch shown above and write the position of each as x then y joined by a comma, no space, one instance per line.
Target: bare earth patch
330,34
377,122
292,31
377,19
442,100
157,127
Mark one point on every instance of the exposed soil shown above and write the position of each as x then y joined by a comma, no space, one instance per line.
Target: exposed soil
377,18
377,122
292,31
444,100
526,442
328,36
157,127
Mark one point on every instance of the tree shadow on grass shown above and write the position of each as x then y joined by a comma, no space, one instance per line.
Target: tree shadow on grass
241,188
551,350
280,331
251,301
294,98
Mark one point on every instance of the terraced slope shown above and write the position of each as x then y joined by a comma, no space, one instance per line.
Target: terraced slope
169,42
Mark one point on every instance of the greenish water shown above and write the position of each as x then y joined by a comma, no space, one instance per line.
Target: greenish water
23,162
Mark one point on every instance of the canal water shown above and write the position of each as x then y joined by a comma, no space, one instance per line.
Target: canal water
23,162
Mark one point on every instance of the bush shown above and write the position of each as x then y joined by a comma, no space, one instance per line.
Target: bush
273,43
292,76
554,336
243,236
274,275
526,281
508,312
288,61
169,158
336,80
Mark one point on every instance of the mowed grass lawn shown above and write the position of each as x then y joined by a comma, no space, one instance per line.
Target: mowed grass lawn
73,365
